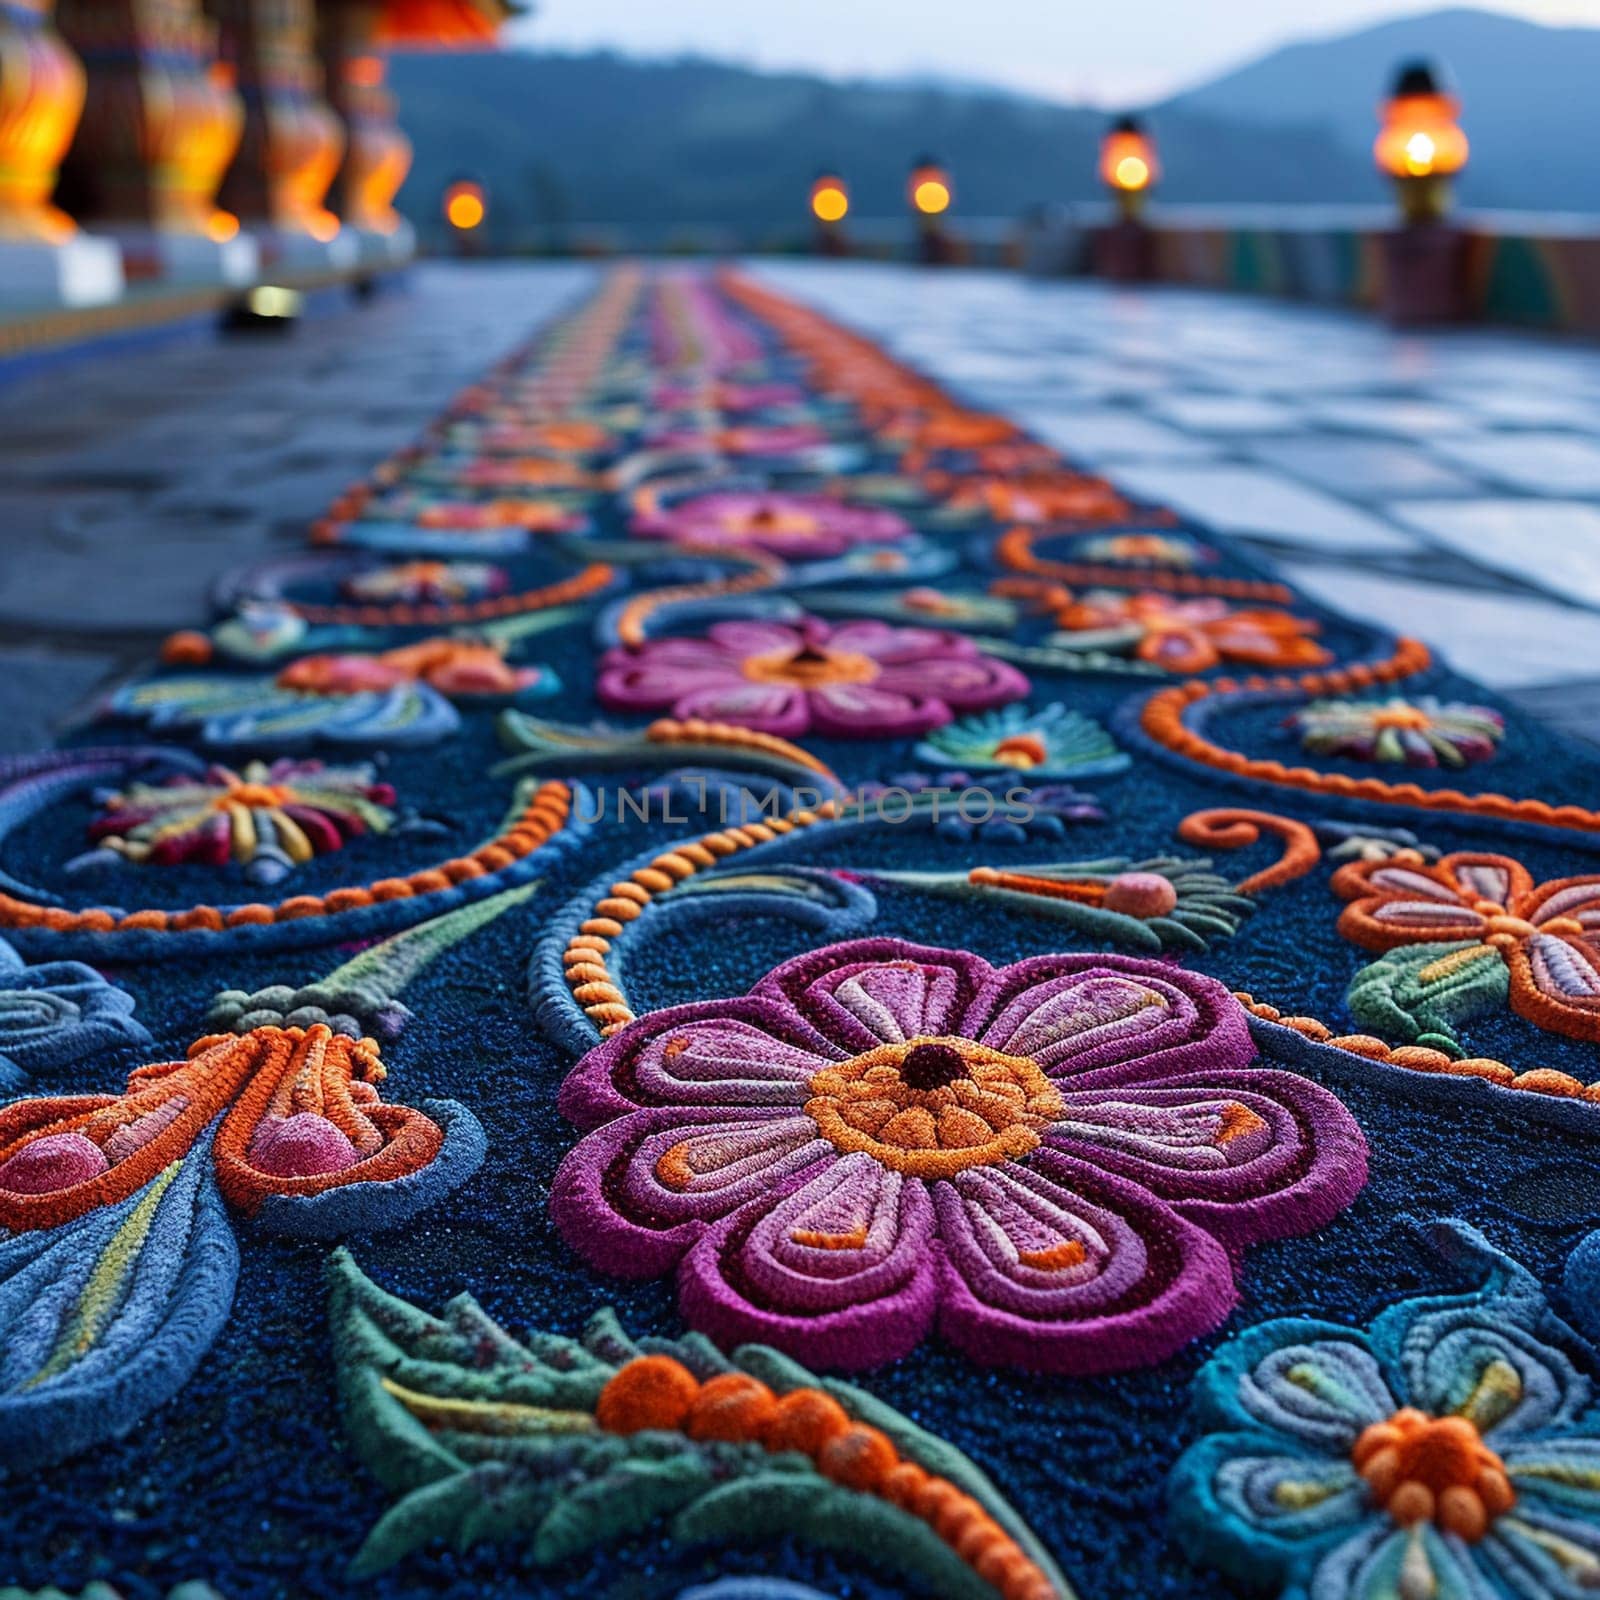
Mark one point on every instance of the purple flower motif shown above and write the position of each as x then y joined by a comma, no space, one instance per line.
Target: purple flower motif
1057,1163
858,680
799,525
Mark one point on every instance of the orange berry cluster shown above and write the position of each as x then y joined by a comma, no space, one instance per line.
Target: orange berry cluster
656,1392
1434,1469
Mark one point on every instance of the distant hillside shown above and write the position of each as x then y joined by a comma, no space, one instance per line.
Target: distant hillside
1531,99
596,139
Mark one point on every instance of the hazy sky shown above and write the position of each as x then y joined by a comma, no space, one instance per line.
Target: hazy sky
1103,51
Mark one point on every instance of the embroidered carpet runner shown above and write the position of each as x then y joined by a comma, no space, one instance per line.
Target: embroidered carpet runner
740,984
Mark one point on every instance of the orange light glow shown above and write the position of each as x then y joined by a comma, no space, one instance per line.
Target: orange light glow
221,226
830,200
1128,161
1132,173
323,226
1421,137
464,206
930,193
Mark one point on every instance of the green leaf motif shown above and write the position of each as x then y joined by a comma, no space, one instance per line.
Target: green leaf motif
1421,992
481,1436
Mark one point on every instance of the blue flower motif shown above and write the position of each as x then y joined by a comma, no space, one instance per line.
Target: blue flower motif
1449,1452
57,1013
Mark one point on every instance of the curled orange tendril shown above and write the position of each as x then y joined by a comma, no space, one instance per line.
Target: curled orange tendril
634,618
1229,829
1163,720
1014,550
656,1393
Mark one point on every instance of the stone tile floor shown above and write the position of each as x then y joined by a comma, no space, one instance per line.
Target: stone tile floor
1447,484
131,479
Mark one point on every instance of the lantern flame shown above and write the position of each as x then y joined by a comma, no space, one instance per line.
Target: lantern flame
1128,160
1421,137
830,200
464,206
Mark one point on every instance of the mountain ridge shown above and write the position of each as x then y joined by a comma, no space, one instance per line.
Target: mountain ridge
576,140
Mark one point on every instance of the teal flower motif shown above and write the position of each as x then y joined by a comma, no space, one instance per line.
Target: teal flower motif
1449,1452
1053,742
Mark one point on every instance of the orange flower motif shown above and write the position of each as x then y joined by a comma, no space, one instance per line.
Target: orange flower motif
1547,934
302,1117
1041,497
1189,635
452,666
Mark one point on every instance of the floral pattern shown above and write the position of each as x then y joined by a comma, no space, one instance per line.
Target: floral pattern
1188,635
270,819
414,582
1056,1162
58,1013
1451,1450
1420,732
795,525
1145,549
857,680
1052,742
452,666
1478,930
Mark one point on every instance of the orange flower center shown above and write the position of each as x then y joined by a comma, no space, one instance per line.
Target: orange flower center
772,519
1433,1469
809,667
1021,750
1501,928
257,796
1400,716
932,1107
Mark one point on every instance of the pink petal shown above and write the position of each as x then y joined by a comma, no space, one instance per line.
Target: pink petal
841,1273
1126,1018
1070,1270
1253,1155
868,992
778,708
867,710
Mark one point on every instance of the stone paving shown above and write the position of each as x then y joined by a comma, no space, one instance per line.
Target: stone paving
131,479
1447,485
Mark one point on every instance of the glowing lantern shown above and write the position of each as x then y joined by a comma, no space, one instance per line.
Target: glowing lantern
929,188
830,200
465,205
1128,164
1421,145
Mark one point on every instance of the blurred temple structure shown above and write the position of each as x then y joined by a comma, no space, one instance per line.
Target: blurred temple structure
163,155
